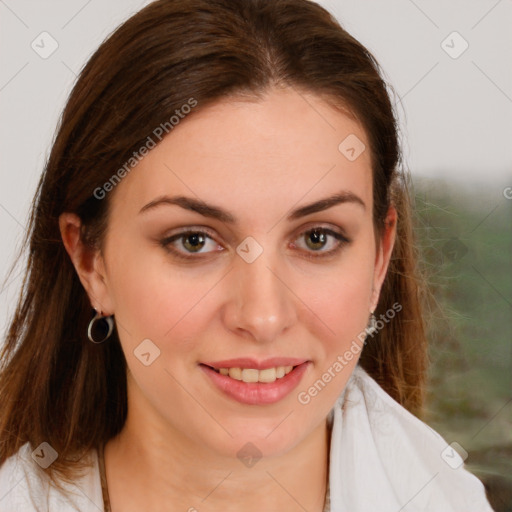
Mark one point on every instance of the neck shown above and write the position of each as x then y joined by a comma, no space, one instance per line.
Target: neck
164,470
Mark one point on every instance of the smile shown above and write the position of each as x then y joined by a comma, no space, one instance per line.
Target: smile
253,386
253,375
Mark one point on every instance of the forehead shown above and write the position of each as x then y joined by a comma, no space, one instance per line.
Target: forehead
254,156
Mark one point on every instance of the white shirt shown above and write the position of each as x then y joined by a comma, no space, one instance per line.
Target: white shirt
382,459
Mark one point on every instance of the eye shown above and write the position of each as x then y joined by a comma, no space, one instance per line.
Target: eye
193,241
318,238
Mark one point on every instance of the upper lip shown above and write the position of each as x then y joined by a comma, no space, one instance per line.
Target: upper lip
249,362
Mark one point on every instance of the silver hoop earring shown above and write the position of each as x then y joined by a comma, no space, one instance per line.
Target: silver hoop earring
372,325
100,328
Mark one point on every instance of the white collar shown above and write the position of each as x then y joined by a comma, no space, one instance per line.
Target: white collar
384,459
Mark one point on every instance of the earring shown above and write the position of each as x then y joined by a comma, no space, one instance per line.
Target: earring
372,325
100,328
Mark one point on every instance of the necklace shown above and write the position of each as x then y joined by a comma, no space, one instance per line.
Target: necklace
103,479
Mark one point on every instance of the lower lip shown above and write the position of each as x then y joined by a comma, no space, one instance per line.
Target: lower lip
257,393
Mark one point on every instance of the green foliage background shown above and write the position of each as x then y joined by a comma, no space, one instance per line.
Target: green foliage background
465,238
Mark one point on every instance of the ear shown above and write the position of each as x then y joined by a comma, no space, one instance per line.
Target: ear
384,254
88,263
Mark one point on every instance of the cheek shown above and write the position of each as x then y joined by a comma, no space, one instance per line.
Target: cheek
340,297
154,299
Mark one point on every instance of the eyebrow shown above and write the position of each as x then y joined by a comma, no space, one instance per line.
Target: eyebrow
215,212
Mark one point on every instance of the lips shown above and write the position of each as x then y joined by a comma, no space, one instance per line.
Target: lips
256,393
249,362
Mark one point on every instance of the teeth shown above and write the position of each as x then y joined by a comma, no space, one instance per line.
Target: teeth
252,375
235,373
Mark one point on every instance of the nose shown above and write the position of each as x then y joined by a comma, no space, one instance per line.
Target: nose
261,302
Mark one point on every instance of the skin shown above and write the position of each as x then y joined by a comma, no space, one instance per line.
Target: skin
258,160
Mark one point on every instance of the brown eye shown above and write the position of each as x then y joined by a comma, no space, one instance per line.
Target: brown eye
193,242
318,238
185,244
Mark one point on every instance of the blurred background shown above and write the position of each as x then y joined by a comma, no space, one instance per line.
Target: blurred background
465,237
448,67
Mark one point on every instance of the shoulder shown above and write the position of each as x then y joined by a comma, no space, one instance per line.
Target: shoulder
385,458
24,486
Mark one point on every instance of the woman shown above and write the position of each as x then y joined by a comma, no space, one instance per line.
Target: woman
224,192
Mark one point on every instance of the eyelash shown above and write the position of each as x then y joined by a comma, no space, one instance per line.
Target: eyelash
342,241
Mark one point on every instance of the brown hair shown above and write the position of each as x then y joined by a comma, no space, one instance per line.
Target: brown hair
58,387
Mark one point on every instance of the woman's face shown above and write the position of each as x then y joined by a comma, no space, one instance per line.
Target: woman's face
249,280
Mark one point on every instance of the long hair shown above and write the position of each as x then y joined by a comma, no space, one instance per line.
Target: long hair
58,387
